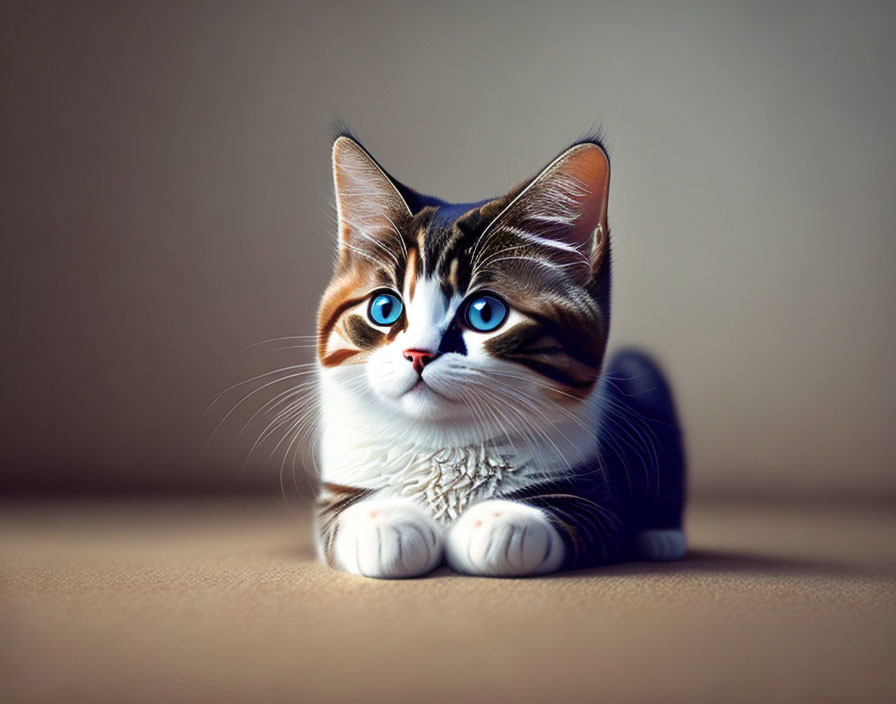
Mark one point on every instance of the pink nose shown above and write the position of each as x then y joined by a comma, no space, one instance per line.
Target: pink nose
419,358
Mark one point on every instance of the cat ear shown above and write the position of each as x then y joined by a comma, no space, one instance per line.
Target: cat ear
563,210
368,204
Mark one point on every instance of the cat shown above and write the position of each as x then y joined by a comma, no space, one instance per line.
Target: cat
467,417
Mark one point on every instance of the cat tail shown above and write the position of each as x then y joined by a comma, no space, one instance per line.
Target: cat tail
642,443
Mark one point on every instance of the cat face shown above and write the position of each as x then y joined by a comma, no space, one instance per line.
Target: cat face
474,320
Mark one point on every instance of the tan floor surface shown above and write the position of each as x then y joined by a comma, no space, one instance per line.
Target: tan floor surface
221,600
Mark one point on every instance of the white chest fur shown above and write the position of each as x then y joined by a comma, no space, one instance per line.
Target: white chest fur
444,481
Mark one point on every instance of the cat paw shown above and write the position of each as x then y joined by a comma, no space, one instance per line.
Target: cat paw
660,545
387,540
500,538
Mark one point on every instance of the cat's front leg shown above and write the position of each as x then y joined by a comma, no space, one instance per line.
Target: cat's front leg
387,539
501,538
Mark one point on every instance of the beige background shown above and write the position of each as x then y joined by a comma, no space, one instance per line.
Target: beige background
166,203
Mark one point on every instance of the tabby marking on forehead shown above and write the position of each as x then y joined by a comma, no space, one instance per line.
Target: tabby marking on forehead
421,240
410,274
452,273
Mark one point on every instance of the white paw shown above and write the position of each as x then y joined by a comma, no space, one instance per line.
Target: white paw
387,539
504,539
660,544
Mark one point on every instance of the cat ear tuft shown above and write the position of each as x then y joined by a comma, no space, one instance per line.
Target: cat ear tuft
368,204
564,208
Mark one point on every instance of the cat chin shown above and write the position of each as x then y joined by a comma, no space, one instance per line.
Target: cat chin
424,403
426,409
425,418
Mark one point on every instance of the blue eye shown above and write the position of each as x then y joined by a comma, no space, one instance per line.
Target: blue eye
485,313
385,308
